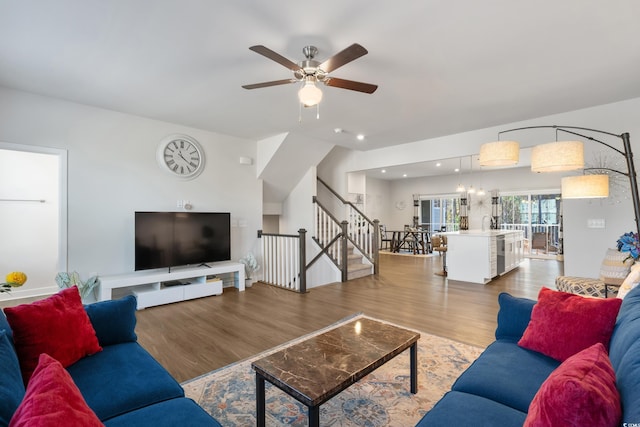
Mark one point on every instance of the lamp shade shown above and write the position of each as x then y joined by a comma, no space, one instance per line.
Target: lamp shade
309,94
557,156
499,153
585,186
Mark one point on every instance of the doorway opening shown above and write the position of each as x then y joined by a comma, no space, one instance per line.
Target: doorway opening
538,215
33,206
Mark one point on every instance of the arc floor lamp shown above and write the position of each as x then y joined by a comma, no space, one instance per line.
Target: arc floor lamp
565,156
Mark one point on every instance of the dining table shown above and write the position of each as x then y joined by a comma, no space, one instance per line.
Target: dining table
417,241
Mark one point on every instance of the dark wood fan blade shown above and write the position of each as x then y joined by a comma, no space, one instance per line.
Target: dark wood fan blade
351,53
351,85
267,84
265,51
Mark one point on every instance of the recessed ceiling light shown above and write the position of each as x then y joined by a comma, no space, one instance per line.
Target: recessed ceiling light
438,164
360,137
456,170
383,171
404,175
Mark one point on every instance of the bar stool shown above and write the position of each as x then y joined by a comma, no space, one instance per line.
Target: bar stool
439,244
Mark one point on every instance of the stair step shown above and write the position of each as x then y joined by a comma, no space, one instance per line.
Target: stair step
354,259
359,270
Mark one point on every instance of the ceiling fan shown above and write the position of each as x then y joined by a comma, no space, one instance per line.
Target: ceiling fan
311,71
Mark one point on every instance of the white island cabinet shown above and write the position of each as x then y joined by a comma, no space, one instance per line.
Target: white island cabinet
479,256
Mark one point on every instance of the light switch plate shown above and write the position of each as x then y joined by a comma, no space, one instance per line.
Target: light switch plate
596,223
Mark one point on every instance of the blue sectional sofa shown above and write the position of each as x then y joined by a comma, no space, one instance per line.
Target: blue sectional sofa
498,388
123,384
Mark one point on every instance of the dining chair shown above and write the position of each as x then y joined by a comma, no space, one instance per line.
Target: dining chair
539,241
385,240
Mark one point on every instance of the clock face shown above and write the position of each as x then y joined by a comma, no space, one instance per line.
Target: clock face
181,155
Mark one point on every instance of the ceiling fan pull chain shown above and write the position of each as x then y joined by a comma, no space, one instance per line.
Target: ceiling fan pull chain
317,111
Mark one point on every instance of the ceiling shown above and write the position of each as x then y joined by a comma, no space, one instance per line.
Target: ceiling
442,67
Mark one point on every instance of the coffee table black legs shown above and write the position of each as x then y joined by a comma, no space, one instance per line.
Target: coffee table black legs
314,416
413,358
260,400
314,411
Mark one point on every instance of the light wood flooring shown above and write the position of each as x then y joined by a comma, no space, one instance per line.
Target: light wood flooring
194,337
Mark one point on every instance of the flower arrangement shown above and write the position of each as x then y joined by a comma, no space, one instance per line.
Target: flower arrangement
13,280
629,242
250,264
66,280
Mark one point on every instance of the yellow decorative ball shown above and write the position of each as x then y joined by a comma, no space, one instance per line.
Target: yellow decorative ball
16,278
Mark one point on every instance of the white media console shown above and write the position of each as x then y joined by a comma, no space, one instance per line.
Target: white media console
159,287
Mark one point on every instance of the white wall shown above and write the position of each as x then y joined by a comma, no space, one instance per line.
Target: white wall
584,247
112,172
297,209
334,168
377,198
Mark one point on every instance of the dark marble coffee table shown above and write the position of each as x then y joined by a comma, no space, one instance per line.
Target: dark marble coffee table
320,367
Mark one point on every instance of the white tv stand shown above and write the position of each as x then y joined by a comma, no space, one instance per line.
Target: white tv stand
152,287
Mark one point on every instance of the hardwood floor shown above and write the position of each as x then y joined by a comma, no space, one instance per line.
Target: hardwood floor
194,337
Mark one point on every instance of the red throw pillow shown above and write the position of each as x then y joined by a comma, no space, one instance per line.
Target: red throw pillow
563,324
580,392
58,326
53,400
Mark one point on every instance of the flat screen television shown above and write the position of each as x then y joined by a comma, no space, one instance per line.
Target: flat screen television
171,239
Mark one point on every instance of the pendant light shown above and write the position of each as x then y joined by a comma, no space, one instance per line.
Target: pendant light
471,190
460,188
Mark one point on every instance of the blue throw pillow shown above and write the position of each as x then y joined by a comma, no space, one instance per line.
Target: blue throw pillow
513,317
11,384
114,321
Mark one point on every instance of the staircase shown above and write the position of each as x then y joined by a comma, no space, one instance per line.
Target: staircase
346,236
356,267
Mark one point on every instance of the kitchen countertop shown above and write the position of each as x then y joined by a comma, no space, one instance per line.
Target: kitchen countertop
480,233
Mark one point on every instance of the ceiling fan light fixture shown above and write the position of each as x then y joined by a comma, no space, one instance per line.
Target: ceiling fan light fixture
309,94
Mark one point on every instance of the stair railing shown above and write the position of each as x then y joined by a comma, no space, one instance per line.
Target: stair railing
331,237
284,260
362,232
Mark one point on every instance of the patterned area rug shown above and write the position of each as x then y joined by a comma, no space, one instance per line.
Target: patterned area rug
380,399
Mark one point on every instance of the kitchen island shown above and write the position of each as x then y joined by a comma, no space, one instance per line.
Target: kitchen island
478,256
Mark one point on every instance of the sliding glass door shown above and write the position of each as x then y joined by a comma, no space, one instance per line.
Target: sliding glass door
538,216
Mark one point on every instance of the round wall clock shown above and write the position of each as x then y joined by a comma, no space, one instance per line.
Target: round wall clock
181,155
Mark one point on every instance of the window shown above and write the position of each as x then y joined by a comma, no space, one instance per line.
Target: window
440,212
